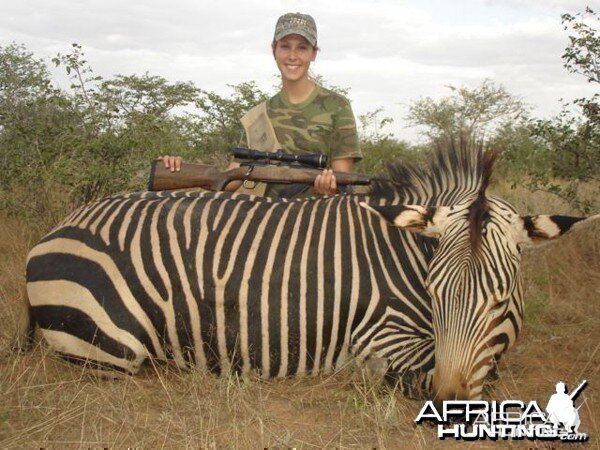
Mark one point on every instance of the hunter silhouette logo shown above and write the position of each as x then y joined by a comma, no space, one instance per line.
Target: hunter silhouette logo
561,409
509,419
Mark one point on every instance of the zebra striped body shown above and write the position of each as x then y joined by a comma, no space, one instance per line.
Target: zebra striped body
226,282
230,282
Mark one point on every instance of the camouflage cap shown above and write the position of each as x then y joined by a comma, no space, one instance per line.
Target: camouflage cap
296,23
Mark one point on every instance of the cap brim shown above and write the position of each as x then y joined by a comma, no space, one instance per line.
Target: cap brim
311,40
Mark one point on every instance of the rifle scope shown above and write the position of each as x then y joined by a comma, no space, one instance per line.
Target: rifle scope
316,160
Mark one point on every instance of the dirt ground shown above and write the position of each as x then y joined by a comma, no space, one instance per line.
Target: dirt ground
45,402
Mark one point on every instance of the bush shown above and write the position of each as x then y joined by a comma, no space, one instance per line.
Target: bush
60,149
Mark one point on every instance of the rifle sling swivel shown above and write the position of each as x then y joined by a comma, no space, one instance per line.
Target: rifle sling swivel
247,183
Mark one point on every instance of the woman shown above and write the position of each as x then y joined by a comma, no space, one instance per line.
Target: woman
303,117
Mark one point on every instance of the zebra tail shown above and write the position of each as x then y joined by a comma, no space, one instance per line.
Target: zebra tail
24,339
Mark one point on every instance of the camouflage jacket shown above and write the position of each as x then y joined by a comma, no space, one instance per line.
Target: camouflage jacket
323,123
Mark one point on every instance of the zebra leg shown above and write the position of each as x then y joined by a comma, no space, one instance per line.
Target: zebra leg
409,361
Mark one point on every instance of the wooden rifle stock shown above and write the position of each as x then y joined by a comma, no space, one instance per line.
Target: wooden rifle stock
209,177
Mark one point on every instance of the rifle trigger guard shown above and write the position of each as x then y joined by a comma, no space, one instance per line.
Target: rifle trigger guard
247,183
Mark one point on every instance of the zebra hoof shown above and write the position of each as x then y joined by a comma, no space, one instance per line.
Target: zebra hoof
376,367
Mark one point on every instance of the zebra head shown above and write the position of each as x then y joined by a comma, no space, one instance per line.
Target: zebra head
473,277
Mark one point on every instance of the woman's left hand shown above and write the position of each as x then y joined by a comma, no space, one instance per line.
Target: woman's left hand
325,183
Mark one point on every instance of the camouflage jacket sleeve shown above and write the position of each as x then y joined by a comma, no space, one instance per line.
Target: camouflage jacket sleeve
345,142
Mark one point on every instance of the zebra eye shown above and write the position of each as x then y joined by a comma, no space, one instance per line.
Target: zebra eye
498,307
499,299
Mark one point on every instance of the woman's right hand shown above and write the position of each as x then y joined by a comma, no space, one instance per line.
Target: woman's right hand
171,162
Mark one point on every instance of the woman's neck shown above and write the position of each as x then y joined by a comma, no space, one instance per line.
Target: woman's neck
298,91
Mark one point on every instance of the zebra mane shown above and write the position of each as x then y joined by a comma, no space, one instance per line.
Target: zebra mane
452,174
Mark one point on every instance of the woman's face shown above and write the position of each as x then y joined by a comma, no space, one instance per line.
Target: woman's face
293,55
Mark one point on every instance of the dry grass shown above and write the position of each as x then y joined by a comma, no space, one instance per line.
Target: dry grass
540,202
46,402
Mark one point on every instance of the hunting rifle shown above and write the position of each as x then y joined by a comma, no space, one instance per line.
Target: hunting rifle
299,170
578,390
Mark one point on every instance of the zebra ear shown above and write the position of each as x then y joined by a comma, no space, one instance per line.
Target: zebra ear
546,226
427,220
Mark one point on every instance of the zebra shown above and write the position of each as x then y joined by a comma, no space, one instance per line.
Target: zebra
422,272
